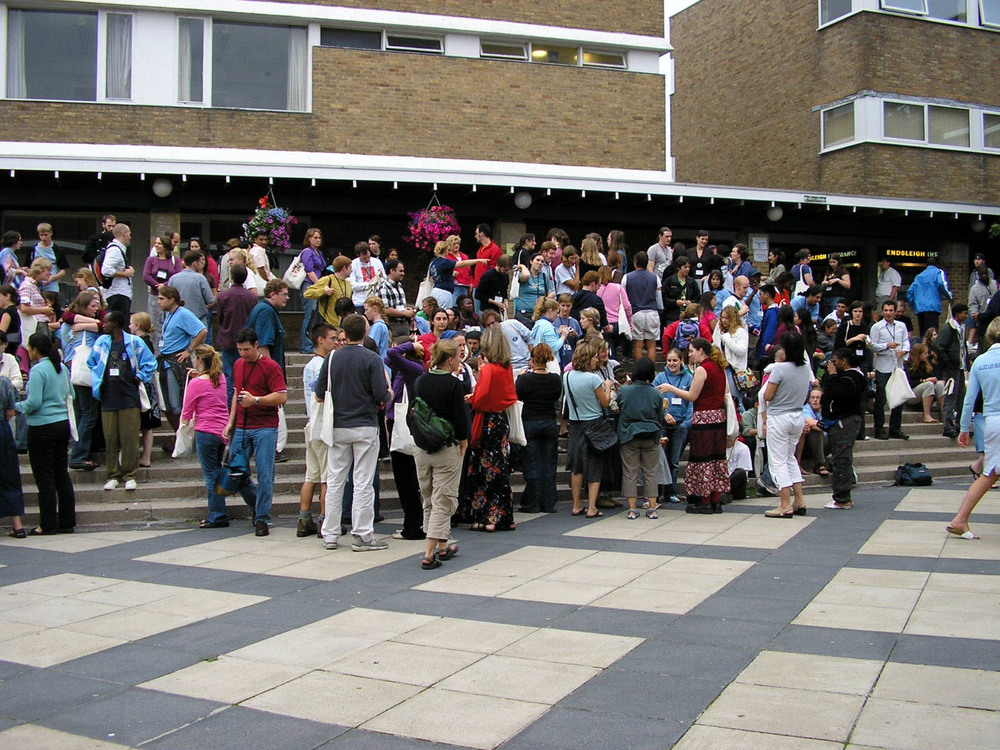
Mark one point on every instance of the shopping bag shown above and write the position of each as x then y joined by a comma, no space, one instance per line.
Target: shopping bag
425,290
732,418
515,287
79,370
282,430
897,390
324,420
185,439
71,414
516,432
623,325
401,440
296,273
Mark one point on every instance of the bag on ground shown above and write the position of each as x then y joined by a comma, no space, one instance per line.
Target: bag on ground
913,475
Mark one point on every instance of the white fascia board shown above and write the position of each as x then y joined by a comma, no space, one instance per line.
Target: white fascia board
378,19
77,157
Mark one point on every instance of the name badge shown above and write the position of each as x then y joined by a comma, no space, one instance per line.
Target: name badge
676,401
114,372
161,275
860,352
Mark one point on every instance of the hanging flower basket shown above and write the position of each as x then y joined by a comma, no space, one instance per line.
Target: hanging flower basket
431,225
276,221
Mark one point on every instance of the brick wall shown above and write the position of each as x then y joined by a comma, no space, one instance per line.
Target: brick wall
629,16
401,104
747,76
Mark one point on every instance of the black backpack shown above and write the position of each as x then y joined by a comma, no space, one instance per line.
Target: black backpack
95,267
430,432
913,475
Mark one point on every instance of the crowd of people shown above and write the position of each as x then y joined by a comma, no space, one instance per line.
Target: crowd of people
767,376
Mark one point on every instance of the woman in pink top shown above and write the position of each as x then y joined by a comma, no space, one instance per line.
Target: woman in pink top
205,409
614,296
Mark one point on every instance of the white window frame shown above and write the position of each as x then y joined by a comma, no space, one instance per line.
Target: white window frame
899,8
410,35
206,63
982,17
486,56
606,66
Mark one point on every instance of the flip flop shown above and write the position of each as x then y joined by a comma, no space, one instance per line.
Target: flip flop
967,534
577,512
598,514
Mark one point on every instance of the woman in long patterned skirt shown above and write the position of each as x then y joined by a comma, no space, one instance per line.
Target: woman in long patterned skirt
487,485
707,476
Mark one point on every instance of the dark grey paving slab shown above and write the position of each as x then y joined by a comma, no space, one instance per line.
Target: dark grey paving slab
197,578
615,621
42,692
855,644
893,562
750,607
266,585
836,558
427,602
9,669
274,612
213,637
761,585
127,570
803,572
645,694
714,552
131,664
715,631
570,727
240,728
684,659
967,653
515,612
362,739
132,717
963,567
6,724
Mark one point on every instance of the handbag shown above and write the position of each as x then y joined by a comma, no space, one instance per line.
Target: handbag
145,403
235,469
514,291
71,414
623,325
426,288
401,440
897,390
746,380
295,276
282,430
322,428
913,475
79,370
732,418
599,433
184,442
515,433
800,286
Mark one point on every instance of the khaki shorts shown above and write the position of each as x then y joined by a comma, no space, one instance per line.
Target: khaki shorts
316,454
646,325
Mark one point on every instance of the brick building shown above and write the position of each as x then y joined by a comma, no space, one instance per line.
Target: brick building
893,102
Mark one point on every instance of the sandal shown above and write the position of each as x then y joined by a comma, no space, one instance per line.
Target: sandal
429,563
824,472
779,513
965,533
633,514
17,534
651,513
206,524
578,512
448,552
598,514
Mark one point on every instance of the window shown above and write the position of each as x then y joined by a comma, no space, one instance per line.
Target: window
118,84
838,125
991,131
350,39
499,51
831,10
907,6
603,59
947,10
52,55
904,121
413,44
948,126
258,67
989,12
191,60
556,55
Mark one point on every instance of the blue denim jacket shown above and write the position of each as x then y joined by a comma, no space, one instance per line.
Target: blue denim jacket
683,411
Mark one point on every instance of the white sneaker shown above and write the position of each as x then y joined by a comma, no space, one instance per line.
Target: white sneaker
131,484
360,545
330,544
112,484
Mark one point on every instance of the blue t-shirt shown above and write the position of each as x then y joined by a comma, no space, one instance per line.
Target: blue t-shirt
532,290
443,274
583,386
49,253
380,335
270,333
798,303
566,353
179,329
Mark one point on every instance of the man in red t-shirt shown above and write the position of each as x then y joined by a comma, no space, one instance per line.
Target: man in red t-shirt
488,249
253,418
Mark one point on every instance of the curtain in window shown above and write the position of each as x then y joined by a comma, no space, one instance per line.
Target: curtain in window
119,75
297,70
991,131
904,121
184,63
17,82
948,126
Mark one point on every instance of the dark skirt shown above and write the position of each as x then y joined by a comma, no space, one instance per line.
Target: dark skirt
11,493
486,491
582,459
707,468
150,420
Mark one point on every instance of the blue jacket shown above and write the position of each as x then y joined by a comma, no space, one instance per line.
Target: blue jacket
683,411
768,330
136,351
924,294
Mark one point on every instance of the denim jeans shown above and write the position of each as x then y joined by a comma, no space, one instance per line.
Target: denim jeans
228,363
540,468
86,408
208,326
210,451
309,312
261,443
678,435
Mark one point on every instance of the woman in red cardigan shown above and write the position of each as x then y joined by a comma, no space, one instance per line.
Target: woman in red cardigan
486,491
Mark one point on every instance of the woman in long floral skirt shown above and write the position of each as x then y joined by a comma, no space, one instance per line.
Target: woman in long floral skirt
487,484
707,476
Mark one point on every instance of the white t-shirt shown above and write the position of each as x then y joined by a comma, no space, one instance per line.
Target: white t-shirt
259,257
661,257
562,275
310,374
739,457
362,277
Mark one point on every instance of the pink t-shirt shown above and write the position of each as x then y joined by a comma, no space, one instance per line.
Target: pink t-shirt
207,405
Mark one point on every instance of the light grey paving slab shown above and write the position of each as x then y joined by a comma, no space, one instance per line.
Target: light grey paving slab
42,692
594,729
616,621
854,644
131,663
645,694
971,653
131,717
363,739
239,728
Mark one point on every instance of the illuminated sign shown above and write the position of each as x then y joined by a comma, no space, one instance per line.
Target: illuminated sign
910,254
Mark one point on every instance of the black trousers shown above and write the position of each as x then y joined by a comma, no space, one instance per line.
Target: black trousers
404,472
842,435
895,415
928,320
120,302
48,453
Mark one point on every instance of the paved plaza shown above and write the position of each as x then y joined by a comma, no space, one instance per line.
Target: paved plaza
870,628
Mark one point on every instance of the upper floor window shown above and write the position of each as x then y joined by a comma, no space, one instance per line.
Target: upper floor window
838,125
51,55
831,10
413,44
989,12
501,51
948,126
909,6
191,60
350,39
991,131
259,67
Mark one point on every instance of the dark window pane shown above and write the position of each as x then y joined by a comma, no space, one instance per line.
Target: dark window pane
249,66
52,55
350,39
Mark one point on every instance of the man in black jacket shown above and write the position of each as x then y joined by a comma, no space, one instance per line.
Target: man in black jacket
679,291
587,297
843,406
494,285
100,240
950,347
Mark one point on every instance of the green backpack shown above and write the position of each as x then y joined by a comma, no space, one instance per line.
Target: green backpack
430,432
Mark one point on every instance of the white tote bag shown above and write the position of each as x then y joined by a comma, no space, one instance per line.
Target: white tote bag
324,420
516,432
79,370
184,441
897,390
70,413
425,290
515,289
800,285
296,273
401,440
282,430
732,418
623,325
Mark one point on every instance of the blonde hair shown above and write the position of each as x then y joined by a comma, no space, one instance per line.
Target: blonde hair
993,331
43,227
590,252
591,314
544,305
442,351
212,362
733,316
494,346
453,239
241,255
40,266
441,249
91,281
142,321
376,302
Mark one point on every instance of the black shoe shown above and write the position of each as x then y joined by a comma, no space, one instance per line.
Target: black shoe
379,518
705,510
950,434
882,435
262,529
280,458
898,435
522,509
